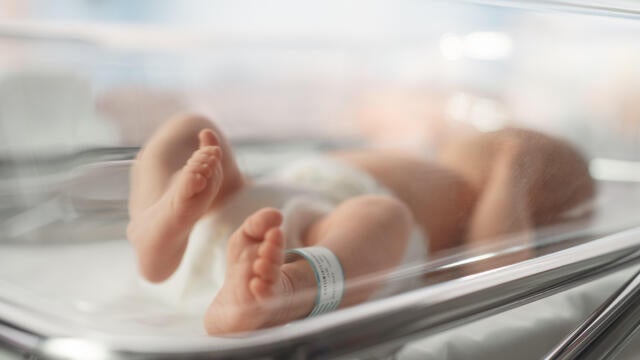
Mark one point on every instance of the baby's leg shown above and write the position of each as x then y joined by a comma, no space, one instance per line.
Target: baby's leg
440,199
185,169
368,234
503,209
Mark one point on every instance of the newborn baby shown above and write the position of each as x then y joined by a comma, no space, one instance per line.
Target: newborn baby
346,215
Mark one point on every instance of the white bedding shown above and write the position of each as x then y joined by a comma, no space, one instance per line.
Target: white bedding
83,288
527,332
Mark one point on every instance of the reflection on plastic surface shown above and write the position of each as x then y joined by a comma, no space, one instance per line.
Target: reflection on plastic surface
75,349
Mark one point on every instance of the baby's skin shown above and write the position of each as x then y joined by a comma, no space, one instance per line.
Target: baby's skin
259,289
187,169
255,250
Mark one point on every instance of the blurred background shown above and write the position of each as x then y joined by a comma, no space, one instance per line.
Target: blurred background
83,81
86,73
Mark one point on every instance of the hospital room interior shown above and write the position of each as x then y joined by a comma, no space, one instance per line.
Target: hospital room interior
362,179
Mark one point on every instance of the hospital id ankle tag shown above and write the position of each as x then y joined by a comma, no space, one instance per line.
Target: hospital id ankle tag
329,277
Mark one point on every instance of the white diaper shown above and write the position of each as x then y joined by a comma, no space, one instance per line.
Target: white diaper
304,191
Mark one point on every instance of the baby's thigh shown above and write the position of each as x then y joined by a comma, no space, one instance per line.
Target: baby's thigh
360,218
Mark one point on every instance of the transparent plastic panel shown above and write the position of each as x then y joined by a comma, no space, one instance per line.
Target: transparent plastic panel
420,142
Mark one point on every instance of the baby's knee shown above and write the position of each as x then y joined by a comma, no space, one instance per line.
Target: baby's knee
178,130
180,134
189,121
186,125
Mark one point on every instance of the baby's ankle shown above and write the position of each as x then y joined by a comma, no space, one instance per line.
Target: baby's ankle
299,289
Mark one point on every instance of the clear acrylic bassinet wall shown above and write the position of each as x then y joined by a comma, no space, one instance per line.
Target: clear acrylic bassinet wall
83,87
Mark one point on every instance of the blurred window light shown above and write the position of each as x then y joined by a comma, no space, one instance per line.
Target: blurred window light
452,46
481,45
458,106
488,115
484,114
614,170
487,45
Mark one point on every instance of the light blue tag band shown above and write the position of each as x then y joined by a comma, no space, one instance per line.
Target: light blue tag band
329,277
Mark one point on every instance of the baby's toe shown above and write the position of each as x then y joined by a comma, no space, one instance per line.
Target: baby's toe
201,158
203,164
201,169
272,247
207,137
214,151
257,225
270,256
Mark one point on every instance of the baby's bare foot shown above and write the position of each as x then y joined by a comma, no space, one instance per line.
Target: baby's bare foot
196,185
254,286
160,232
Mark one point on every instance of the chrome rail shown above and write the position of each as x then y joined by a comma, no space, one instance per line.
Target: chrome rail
612,342
17,341
605,332
385,325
